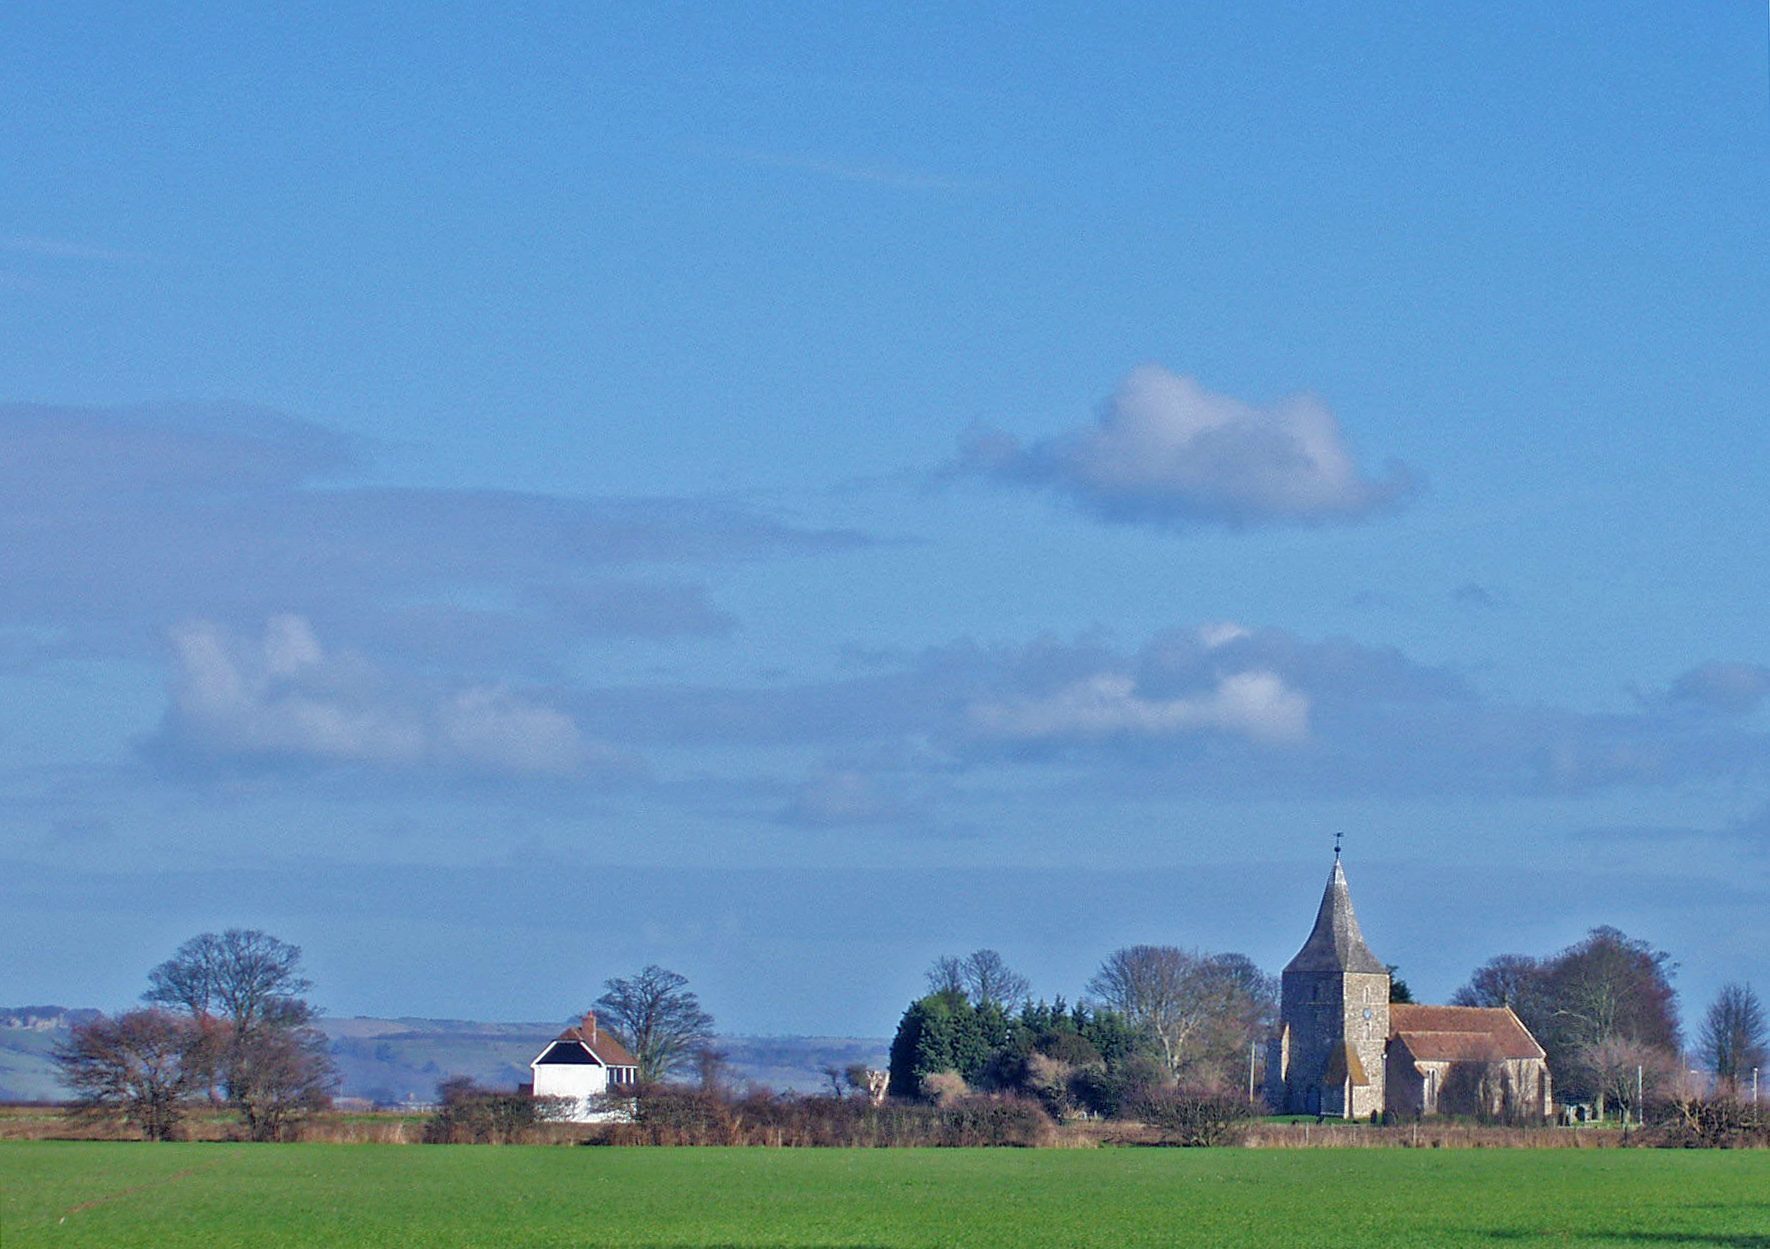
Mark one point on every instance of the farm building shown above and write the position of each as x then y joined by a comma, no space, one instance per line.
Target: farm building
586,1064
1344,1051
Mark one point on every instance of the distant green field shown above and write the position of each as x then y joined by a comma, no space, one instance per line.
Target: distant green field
68,1193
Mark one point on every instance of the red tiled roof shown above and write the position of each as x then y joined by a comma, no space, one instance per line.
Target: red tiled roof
608,1051
1462,1033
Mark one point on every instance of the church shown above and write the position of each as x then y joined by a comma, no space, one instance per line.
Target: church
1343,1050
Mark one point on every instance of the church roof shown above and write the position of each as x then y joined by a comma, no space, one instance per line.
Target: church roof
1336,944
1462,1033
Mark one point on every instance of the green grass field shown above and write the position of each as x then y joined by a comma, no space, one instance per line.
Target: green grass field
85,1193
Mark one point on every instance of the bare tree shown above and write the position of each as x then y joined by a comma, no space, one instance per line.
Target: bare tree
983,977
1246,1013
1621,1072
244,976
657,1018
1514,980
244,987
144,1065
712,1068
1611,985
1604,995
991,982
278,1075
1201,1010
1734,1036
856,1076
1160,989
946,976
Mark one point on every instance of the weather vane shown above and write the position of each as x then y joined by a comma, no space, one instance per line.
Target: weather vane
1337,837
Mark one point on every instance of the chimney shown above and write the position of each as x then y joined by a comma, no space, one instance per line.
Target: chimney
588,1027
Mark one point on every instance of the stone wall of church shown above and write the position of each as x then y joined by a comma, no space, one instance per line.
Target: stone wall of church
1508,1089
1309,1007
1365,1023
1323,1011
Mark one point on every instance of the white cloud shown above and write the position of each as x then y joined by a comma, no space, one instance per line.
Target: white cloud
284,697
1221,633
1168,452
1256,704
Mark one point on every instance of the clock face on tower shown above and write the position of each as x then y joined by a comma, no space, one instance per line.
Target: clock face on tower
1367,1012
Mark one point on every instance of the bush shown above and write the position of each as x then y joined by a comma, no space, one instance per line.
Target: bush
471,1115
1710,1123
672,1115
944,1088
677,1116
1012,1121
1113,1091
1185,1117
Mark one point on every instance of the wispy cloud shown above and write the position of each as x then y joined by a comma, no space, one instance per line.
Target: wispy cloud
118,524
1473,596
1214,710
1730,687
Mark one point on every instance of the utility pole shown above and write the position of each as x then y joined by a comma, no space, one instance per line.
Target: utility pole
1253,1047
1754,1086
1639,1098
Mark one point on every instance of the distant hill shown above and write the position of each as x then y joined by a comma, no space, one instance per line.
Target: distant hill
393,1061
27,1036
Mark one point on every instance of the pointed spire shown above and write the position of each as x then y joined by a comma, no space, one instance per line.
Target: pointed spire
1336,944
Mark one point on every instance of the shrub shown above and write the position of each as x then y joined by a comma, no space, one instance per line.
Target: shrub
1710,1123
1112,1091
673,1115
1012,1121
678,1116
471,1115
944,1088
1188,1117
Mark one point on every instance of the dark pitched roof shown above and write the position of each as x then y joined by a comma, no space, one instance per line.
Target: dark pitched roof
606,1048
1336,944
565,1053
603,1046
1462,1033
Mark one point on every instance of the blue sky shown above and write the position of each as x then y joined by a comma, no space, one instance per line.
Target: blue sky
501,497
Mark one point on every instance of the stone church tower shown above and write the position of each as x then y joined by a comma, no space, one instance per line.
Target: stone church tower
1328,1057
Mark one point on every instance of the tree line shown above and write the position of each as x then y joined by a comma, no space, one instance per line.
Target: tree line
226,1024
1159,1020
1606,1012
1160,1031
1154,1018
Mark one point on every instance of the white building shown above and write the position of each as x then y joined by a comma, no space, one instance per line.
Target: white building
585,1064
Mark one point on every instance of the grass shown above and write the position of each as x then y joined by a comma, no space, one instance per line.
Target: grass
100,1193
